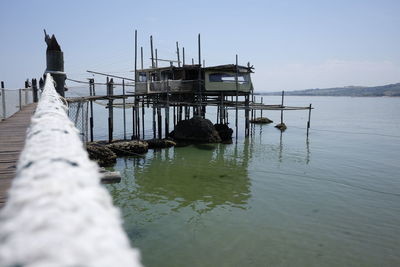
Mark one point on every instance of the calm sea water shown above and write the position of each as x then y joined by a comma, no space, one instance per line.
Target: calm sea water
272,200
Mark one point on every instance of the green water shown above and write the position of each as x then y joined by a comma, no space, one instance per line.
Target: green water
274,200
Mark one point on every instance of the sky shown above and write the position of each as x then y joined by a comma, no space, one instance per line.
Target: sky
292,44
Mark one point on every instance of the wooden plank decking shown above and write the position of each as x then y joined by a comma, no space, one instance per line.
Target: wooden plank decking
12,140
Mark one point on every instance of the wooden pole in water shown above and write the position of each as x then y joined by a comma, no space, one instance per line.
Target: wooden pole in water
91,121
124,107
110,87
143,117
134,127
309,119
246,112
237,97
137,104
262,101
166,111
174,113
152,54
154,119
134,115
159,121
221,108
199,77
283,96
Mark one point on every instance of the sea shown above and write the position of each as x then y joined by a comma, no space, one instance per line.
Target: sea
331,198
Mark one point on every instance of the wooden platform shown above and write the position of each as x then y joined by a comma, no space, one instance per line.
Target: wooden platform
12,139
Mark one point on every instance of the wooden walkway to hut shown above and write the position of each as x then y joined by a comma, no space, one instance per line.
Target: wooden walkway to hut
12,140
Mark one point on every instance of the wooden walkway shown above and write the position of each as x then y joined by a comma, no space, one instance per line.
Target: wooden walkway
12,139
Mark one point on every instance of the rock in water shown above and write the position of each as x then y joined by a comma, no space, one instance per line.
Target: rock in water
224,132
101,154
128,148
196,129
261,120
281,126
160,143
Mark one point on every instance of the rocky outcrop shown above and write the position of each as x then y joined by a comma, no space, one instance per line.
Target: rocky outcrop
261,120
160,143
281,126
225,133
128,148
196,129
101,154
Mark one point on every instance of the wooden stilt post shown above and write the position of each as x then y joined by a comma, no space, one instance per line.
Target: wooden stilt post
283,96
124,107
262,101
309,119
137,104
252,110
91,121
110,93
143,117
222,110
134,109
154,119
159,122
227,115
167,109
199,95
174,113
218,114
237,97
247,111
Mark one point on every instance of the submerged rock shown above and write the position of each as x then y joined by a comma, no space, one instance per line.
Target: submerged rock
225,133
128,148
160,143
261,120
101,154
196,129
281,126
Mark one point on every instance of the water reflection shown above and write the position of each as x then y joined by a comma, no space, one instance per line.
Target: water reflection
199,177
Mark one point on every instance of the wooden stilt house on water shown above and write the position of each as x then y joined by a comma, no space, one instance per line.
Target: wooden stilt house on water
194,79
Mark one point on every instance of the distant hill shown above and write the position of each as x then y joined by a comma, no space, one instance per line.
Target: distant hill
384,90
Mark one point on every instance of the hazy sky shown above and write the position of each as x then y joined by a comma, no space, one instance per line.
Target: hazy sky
292,44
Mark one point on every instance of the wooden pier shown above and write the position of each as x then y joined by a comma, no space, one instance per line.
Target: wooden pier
12,140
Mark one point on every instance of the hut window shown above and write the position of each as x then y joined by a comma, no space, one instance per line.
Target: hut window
228,77
142,77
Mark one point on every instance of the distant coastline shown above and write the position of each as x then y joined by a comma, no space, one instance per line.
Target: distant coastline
390,90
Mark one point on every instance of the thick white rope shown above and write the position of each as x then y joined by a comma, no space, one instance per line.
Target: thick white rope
57,213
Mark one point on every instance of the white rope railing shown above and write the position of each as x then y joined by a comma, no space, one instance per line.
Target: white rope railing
57,213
